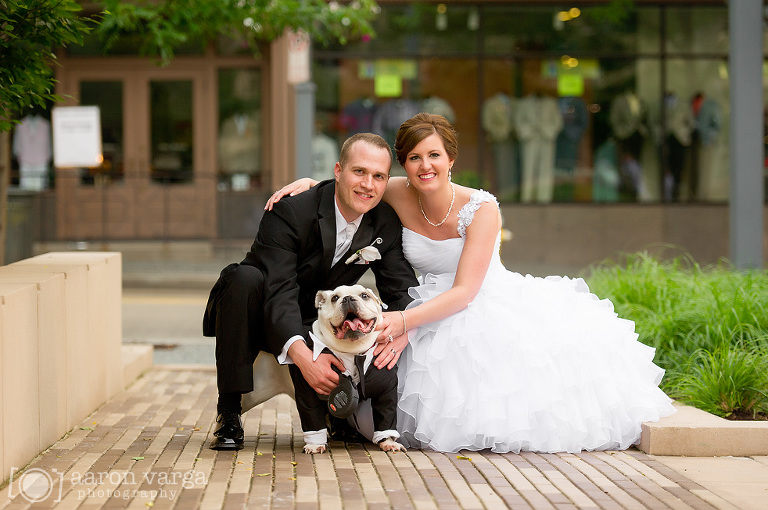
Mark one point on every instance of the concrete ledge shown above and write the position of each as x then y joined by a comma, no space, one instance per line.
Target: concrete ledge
60,347
94,323
137,359
20,377
692,432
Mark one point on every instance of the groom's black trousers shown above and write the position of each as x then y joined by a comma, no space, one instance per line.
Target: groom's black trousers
234,315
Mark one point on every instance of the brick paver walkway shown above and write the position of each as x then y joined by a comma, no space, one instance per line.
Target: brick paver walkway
148,447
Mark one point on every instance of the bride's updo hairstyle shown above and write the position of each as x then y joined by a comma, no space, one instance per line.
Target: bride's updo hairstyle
419,127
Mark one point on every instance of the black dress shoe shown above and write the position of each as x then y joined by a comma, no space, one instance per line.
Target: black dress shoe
229,435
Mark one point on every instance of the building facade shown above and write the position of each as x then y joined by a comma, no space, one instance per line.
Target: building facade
615,113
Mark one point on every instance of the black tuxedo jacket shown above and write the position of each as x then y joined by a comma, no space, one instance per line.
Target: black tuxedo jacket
294,249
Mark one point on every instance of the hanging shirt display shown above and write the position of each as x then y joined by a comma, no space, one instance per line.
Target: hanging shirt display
498,123
537,123
32,148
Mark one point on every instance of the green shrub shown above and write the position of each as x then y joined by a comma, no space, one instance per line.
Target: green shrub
471,179
709,326
723,381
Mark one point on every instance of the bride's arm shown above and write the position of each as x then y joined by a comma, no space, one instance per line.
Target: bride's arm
473,266
395,188
294,188
301,185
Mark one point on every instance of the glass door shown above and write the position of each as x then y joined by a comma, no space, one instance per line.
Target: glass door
158,179
171,130
108,96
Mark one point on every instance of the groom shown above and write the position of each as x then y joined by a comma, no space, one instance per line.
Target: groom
267,302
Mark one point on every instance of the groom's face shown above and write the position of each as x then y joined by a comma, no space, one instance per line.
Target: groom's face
363,180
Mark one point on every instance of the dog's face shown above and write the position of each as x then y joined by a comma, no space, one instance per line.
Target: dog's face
346,318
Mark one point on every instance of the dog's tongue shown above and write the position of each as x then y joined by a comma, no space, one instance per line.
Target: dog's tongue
355,324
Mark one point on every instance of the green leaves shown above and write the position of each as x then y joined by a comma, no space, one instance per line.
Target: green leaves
30,32
725,381
164,26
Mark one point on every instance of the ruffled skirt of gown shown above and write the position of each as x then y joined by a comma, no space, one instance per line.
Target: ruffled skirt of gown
533,364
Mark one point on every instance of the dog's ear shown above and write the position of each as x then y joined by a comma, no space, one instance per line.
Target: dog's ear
320,298
374,296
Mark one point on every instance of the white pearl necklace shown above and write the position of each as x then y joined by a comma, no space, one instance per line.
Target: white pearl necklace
450,207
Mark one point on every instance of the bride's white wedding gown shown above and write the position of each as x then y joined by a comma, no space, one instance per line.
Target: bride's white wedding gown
535,364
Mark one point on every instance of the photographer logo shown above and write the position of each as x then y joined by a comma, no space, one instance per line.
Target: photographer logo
34,485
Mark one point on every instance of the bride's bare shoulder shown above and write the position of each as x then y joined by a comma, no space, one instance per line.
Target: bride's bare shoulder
463,193
396,188
396,183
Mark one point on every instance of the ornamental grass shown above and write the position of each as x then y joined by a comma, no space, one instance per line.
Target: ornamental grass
709,326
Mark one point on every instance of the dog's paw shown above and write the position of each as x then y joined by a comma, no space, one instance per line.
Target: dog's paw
314,448
390,445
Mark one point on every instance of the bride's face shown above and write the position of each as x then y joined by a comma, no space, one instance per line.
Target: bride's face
427,165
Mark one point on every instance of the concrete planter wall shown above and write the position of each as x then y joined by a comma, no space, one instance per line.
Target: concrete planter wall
60,348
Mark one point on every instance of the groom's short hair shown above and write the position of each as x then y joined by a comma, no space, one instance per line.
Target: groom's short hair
369,138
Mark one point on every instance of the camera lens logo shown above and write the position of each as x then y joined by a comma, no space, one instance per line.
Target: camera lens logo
35,485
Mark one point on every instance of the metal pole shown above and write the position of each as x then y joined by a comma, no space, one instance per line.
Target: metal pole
305,127
746,140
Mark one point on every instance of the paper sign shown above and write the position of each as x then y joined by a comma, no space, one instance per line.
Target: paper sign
570,85
298,57
76,137
388,85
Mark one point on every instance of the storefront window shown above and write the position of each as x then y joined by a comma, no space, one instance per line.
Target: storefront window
696,30
696,133
593,103
509,29
625,151
563,131
356,95
239,141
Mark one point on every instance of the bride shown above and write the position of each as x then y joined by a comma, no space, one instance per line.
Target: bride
492,358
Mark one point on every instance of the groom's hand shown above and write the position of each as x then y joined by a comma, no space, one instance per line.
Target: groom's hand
319,373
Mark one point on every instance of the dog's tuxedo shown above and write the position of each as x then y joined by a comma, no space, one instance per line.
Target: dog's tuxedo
269,297
378,385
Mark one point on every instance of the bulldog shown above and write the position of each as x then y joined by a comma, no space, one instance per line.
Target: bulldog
346,318
346,324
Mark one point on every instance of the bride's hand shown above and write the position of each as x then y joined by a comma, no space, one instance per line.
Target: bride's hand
291,189
388,328
387,354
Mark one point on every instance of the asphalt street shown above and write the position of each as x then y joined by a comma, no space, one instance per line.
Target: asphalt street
171,320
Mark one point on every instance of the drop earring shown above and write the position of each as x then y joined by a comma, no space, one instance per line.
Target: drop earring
407,182
449,173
